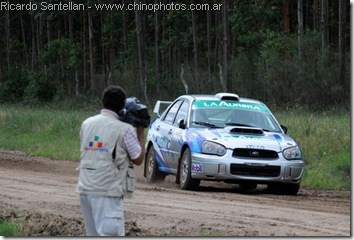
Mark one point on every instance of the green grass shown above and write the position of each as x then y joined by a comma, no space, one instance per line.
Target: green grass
324,138
325,141
41,132
8,229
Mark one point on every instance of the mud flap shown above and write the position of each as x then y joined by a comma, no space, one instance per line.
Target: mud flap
178,171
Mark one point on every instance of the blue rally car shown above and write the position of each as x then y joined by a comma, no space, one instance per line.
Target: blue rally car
222,137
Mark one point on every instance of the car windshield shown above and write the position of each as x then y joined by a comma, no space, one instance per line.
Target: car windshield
229,113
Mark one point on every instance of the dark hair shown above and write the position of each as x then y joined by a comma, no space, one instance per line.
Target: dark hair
113,98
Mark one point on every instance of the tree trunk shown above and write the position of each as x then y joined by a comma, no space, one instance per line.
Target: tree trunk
183,80
71,28
77,85
324,25
157,41
141,51
286,20
300,31
342,37
1,71
24,41
39,35
111,53
222,80
48,30
103,59
286,16
7,32
226,45
92,71
158,65
34,54
125,35
195,52
84,47
315,15
209,46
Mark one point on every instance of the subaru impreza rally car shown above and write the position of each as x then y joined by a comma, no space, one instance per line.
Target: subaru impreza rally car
222,137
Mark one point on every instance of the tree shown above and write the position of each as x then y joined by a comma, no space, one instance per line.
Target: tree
300,31
324,25
226,42
141,52
342,39
91,46
195,51
8,37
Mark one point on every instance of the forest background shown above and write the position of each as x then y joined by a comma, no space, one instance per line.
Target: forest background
288,54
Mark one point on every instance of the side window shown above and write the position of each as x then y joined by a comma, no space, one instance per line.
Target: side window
182,113
170,116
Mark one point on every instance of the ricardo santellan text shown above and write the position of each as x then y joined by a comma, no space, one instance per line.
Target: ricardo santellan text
132,6
44,6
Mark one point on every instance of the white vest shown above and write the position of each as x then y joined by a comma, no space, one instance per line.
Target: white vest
100,174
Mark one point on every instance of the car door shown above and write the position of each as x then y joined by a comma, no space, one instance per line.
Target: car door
165,130
176,136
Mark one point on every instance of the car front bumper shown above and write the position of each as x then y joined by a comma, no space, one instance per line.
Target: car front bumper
232,169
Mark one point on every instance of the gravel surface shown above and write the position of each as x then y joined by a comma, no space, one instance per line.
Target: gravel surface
39,195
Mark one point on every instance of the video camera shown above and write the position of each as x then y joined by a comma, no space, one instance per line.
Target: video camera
135,113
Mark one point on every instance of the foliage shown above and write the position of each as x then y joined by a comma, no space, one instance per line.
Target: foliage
310,81
8,229
61,52
15,83
39,89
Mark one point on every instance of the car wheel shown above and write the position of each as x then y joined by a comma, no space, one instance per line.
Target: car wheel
248,187
153,174
283,188
186,181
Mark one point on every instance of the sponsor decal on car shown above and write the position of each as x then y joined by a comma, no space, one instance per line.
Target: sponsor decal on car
231,104
195,167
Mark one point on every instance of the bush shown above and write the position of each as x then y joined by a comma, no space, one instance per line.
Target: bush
39,89
15,81
8,229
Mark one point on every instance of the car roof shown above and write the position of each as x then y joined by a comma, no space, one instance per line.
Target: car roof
197,97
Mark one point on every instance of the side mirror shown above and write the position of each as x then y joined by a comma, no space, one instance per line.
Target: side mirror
181,123
285,129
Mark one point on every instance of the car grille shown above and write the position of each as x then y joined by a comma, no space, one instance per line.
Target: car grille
254,153
256,171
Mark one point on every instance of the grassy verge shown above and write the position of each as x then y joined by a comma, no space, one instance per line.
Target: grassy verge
323,137
41,132
325,141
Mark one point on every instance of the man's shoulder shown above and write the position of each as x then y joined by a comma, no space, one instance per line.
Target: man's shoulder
107,120
92,118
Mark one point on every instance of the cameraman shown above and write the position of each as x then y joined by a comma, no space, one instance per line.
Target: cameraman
108,146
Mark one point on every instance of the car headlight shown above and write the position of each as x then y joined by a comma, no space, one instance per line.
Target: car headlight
292,153
213,148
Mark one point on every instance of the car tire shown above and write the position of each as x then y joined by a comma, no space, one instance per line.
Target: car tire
186,182
283,188
153,174
249,187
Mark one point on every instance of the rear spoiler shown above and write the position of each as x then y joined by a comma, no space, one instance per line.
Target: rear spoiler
158,105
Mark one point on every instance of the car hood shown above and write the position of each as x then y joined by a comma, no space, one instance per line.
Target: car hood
243,137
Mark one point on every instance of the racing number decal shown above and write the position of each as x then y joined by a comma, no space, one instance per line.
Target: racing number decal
255,146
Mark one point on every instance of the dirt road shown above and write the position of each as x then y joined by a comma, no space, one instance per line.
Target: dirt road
39,194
